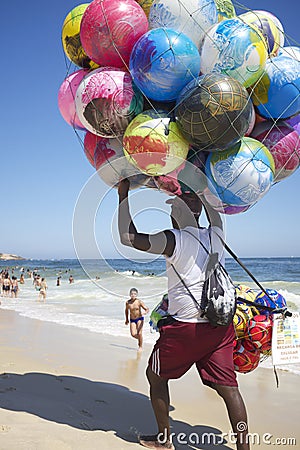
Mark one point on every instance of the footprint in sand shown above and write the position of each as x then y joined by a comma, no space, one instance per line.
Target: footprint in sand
11,388
86,413
69,389
4,429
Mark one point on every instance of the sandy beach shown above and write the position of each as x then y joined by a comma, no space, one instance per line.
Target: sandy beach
67,388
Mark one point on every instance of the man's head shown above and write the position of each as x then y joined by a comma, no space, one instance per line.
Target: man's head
185,209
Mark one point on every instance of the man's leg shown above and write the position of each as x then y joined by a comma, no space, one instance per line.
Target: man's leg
236,411
160,400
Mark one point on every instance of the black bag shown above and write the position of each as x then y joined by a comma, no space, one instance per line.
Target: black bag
218,301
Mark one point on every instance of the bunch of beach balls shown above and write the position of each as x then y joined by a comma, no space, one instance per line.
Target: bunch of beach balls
253,326
184,94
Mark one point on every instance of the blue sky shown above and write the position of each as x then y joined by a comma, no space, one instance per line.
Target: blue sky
43,167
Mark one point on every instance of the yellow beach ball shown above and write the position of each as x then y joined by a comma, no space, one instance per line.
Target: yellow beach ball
153,143
71,38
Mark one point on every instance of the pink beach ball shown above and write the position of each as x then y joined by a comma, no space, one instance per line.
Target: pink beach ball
107,101
110,28
283,143
66,98
112,165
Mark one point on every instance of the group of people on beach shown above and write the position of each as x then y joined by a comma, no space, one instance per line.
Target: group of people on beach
9,283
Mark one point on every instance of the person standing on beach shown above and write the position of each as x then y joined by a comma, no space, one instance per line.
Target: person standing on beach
14,287
134,316
43,289
71,279
188,338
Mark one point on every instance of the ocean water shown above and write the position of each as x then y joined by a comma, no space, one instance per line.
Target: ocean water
96,299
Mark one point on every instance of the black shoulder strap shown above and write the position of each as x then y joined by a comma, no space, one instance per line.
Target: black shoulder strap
233,255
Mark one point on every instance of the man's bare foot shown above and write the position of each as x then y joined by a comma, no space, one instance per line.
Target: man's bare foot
152,442
140,349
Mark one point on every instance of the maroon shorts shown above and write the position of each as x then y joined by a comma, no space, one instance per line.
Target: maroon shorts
183,344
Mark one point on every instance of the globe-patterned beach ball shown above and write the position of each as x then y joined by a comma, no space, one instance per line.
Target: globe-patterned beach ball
153,143
191,17
213,111
189,176
110,28
66,98
242,174
71,38
284,145
242,315
162,62
276,94
259,332
246,357
111,164
107,101
234,48
267,26
213,199
225,9
273,300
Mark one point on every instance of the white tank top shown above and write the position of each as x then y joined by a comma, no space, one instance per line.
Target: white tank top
189,259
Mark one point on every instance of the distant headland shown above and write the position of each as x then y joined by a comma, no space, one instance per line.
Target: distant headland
10,256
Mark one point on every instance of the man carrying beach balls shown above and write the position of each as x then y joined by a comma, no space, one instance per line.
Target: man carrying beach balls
186,337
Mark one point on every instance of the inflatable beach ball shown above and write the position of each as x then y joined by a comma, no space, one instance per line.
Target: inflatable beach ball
267,24
162,62
246,357
234,48
259,332
277,94
189,176
66,98
89,146
213,199
110,28
71,38
273,300
191,17
242,315
160,311
243,292
146,5
111,164
295,123
284,145
107,101
225,9
213,111
153,143
242,174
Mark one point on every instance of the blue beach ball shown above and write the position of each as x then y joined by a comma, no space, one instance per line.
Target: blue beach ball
276,95
242,174
191,17
276,300
162,62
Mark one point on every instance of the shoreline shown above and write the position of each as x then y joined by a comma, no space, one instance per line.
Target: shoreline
63,387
